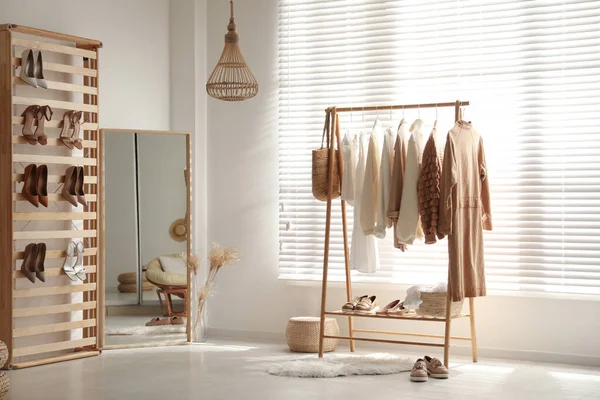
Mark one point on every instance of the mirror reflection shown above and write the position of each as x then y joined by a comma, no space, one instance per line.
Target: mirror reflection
146,235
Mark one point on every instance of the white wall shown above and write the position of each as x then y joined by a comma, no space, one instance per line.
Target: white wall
242,198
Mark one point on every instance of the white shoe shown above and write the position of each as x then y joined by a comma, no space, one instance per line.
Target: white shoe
39,71
28,68
78,267
67,265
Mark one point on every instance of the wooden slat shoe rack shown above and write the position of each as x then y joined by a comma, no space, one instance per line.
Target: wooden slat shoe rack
55,320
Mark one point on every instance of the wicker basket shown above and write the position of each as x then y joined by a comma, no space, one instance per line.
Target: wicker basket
302,334
3,354
4,384
434,305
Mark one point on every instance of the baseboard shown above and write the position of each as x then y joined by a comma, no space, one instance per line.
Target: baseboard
483,352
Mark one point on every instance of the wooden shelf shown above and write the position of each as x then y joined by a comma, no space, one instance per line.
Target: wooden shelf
52,272
90,198
54,216
63,105
59,309
413,317
66,234
80,41
51,328
47,348
55,48
89,252
73,86
62,86
51,360
40,159
64,68
88,180
55,123
53,290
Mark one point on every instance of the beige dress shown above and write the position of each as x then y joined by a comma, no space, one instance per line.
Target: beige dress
465,210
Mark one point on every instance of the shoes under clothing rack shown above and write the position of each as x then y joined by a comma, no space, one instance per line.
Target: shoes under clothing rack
30,337
433,340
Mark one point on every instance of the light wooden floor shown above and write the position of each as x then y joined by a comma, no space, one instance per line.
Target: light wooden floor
229,370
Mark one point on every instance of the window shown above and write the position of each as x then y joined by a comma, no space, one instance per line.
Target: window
530,70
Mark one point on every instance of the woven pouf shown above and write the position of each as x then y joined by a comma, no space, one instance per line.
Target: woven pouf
302,334
3,354
4,384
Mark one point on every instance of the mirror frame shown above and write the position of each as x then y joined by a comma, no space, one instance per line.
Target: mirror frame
188,222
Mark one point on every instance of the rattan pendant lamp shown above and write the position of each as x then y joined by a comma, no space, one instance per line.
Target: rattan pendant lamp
232,79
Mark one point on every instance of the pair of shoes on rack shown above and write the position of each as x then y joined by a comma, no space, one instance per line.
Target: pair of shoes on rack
156,321
71,120
362,305
428,366
36,115
395,308
72,189
33,262
35,186
75,270
32,69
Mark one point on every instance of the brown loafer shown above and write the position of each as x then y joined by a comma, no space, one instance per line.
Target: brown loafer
177,320
158,321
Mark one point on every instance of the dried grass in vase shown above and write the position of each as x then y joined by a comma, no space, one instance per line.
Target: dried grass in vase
219,257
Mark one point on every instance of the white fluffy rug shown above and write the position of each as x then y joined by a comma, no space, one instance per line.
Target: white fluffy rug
146,330
333,365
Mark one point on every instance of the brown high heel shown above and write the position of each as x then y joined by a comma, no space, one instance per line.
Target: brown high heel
76,121
29,190
79,187
28,266
43,114
30,117
65,137
68,189
42,184
40,271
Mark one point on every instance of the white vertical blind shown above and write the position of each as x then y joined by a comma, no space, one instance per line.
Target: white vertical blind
530,70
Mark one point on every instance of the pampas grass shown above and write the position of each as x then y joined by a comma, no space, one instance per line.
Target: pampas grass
219,257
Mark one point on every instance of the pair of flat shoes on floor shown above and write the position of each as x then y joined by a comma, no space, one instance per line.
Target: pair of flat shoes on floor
156,321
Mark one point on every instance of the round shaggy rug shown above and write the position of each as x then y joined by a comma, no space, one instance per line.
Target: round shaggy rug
332,366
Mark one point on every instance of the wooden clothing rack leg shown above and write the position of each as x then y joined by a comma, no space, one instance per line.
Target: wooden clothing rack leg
334,111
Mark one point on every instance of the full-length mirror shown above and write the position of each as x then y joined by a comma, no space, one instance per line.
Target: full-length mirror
146,191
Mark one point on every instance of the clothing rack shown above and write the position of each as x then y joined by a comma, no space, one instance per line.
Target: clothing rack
334,111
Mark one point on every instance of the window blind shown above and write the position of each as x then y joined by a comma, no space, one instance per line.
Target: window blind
530,70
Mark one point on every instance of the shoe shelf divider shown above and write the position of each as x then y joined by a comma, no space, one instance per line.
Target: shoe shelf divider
71,338
432,340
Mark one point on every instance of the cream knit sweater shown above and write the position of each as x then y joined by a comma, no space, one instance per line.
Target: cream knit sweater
368,209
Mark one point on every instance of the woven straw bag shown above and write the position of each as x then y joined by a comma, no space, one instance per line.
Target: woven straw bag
320,166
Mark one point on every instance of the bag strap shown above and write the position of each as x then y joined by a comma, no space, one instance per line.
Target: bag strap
326,129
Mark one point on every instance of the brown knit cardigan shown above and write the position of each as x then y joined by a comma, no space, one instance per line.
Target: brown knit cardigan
429,188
